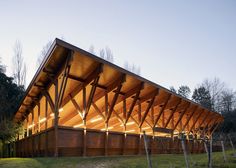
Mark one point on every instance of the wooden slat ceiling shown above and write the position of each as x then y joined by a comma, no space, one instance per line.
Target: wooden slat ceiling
174,108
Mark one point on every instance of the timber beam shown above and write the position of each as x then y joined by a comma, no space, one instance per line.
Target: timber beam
204,119
194,123
109,88
114,101
162,110
189,118
172,113
181,116
91,95
79,87
49,99
137,90
148,108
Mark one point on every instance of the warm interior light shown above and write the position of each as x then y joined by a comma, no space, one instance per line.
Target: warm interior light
42,120
78,125
148,132
30,126
130,131
52,115
60,110
96,119
145,128
104,129
129,123
81,115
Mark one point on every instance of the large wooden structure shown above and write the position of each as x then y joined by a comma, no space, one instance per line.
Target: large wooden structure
80,104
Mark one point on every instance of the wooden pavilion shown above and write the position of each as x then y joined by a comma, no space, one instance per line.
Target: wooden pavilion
81,105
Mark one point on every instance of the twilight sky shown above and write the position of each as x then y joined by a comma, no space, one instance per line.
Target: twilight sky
174,42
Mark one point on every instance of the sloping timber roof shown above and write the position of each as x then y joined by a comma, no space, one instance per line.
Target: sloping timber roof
159,106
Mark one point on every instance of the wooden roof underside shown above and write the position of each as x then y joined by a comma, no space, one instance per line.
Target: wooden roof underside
146,103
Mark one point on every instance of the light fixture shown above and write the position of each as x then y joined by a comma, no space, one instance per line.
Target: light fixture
96,119
145,128
130,131
81,115
42,120
129,123
30,126
78,125
60,110
148,132
104,129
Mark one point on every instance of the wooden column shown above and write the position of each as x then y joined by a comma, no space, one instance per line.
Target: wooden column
27,136
84,123
39,125
27,126
140,129
140,142
46,127
151,144
32,138
84,140
124,140
106,139
56,114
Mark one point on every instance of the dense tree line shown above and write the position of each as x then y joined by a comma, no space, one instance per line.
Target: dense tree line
216,96
11,92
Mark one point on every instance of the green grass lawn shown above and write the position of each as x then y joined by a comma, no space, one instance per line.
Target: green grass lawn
163,161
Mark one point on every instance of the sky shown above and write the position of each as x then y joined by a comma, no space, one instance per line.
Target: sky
174,42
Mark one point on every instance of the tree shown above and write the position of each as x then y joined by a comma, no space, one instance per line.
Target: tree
43,53
106,54
202,96
172,89
132,68
227,101
9,130
184,91
18,65
91,49
11,94
2,67
215,88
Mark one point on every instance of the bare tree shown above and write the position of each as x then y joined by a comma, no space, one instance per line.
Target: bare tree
43,53
18,65
215,87
2,67
91,49
132,68
227,101
106,54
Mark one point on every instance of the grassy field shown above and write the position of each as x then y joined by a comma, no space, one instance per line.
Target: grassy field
163,161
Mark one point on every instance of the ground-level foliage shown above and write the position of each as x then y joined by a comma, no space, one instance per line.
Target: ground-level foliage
162,161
